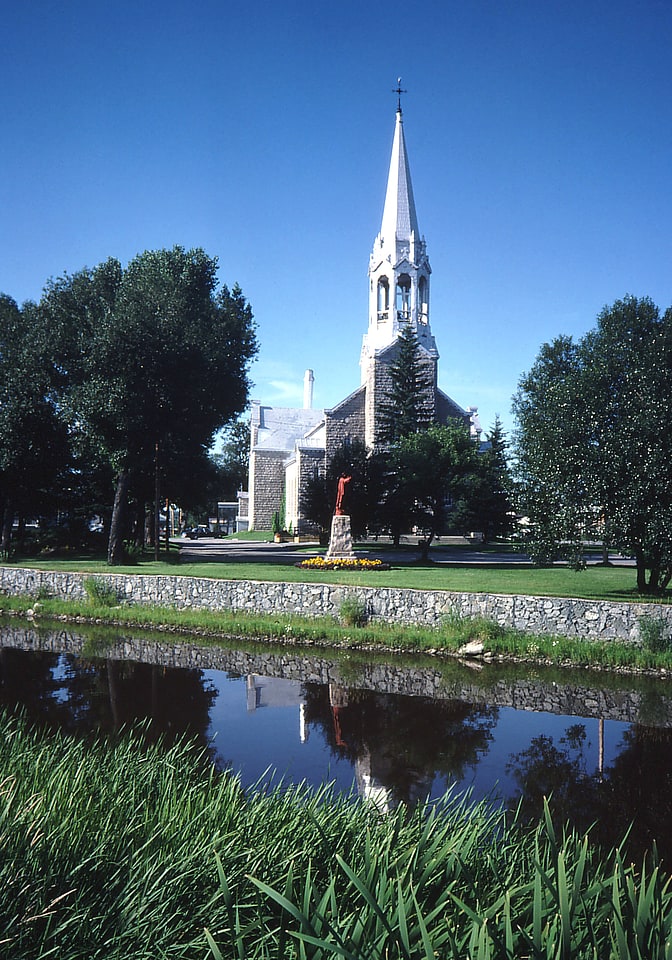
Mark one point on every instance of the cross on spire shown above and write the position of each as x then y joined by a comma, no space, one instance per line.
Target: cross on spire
399,92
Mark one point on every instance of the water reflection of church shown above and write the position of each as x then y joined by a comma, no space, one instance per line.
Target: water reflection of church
396,744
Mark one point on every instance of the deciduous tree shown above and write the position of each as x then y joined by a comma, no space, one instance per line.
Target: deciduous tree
436,478
156,359
364,491
594,439
33,441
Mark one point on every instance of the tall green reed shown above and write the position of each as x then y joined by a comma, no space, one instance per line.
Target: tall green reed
126,849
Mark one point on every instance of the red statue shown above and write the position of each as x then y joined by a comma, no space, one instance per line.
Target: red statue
342,481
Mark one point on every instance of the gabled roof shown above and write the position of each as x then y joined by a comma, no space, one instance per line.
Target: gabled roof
399,216
280,427
450,407
347,400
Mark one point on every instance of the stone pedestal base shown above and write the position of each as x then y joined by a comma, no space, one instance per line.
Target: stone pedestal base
340,542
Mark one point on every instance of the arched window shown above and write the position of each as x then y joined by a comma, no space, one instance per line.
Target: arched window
403,304
423,300
383,298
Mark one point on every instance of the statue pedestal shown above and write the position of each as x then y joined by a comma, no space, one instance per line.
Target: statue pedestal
340,542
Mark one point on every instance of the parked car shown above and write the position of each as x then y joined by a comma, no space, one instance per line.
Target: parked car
195,533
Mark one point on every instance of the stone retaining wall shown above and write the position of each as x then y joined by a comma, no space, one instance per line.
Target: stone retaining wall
589,619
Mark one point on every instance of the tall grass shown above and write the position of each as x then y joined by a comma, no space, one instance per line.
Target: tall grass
120,850
218,626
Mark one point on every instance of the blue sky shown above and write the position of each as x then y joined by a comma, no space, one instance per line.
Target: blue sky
539,136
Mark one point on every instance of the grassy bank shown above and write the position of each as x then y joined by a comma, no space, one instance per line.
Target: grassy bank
119,850
594,583
351,632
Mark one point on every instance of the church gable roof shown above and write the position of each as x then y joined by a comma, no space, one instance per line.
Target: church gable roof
447,408
279,428
391,351
353,397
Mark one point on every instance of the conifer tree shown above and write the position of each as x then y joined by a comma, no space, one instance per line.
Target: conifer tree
408,407
494,515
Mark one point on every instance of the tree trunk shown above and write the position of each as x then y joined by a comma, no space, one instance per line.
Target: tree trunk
641,571
157,493
139,524
7,521
424,545
113,691
149,524
167,537
115,546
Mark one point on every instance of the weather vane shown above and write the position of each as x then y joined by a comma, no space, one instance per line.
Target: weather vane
399,92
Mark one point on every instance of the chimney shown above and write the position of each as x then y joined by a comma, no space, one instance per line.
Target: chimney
308,381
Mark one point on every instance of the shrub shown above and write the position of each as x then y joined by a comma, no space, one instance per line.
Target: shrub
100,592
653,634
353,612
132,553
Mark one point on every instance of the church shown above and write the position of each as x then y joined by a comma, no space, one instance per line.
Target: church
289,446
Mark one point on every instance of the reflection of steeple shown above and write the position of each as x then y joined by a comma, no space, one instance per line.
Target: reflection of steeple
370,787
385,775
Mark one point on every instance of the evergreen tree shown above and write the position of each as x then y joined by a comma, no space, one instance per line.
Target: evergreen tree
409,404
493,509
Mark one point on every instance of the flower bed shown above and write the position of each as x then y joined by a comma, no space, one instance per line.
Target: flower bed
342,563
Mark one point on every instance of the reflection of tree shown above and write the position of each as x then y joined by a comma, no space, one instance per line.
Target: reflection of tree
560,772
81,695
640,788
27,681
634,793
401,741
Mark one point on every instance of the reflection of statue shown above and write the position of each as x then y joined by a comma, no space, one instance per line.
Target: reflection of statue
398,744
343,480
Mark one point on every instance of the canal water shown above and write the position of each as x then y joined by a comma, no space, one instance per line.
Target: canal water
391,730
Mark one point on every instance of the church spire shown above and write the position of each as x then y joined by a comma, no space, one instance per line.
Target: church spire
399,270
400,221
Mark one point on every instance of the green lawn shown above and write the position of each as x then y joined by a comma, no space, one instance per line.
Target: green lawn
596,582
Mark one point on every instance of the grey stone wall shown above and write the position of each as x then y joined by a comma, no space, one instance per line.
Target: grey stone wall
345,422
589,619
311,464
267,479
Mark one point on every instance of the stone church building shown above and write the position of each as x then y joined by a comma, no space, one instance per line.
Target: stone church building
290,445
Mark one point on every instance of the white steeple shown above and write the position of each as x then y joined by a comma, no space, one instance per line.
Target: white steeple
400,221
399,270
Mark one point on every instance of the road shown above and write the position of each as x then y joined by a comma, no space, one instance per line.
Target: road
254,551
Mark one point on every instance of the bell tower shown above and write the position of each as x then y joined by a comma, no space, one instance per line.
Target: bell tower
399,274
399,269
